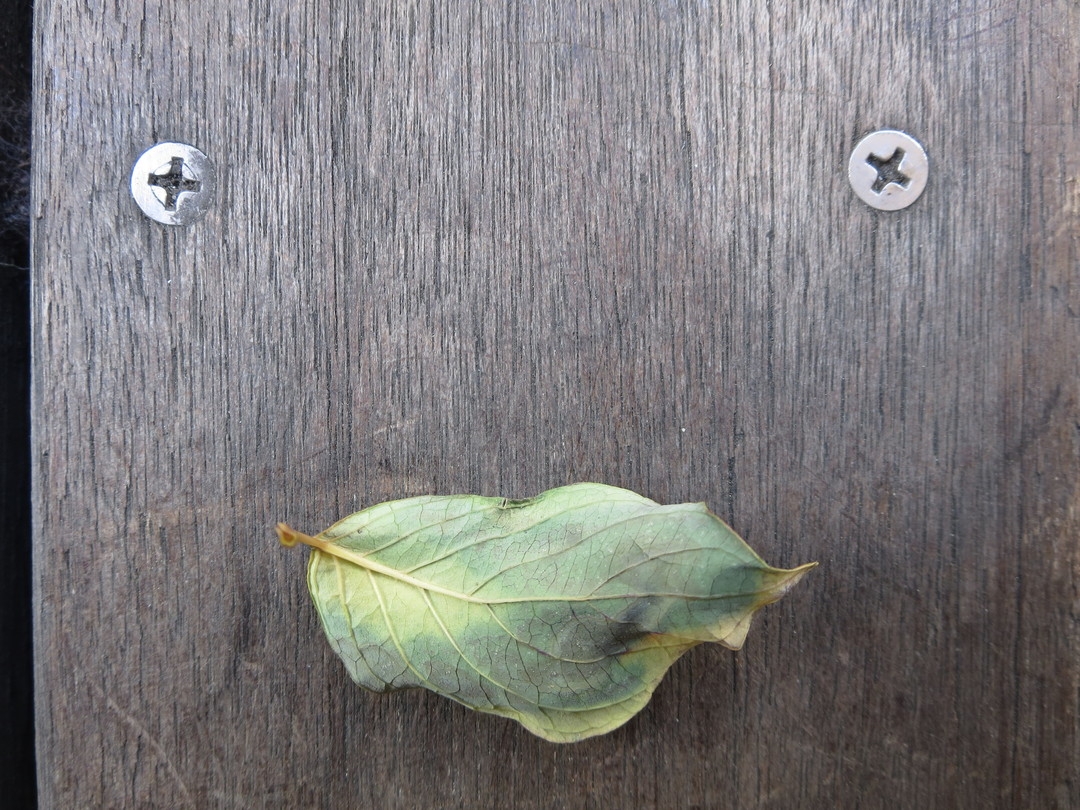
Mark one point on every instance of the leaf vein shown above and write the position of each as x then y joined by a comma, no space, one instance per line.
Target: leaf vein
528,528
393,635
461,654
557,552
340,576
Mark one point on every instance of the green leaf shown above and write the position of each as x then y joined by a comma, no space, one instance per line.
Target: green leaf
562,612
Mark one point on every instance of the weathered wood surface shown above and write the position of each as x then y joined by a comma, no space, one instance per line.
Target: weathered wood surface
490,247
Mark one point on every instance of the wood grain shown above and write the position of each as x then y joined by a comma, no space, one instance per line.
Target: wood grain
493,248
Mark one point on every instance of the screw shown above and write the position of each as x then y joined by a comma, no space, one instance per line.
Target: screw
173,183
888,169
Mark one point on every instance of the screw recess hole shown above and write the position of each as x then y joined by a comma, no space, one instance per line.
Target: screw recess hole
173,180
888,170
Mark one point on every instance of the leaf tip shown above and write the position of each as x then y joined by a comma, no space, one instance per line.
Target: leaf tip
776,583
785,580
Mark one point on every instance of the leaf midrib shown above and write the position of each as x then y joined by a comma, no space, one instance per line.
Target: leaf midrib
367,563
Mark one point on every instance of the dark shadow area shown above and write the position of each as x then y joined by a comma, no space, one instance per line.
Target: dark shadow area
17,777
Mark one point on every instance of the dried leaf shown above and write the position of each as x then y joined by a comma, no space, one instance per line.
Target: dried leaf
562,612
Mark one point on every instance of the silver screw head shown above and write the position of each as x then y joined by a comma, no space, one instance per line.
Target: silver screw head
888,169
173,183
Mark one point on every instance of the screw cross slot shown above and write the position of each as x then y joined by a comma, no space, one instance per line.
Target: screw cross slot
888,169
173,183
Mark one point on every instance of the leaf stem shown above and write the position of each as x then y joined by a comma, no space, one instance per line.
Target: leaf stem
290,537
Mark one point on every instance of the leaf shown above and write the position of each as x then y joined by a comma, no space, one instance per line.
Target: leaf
562,612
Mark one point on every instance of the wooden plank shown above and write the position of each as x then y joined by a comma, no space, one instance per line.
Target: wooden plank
491,247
